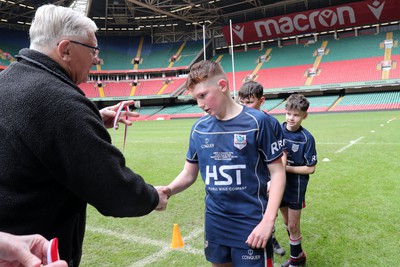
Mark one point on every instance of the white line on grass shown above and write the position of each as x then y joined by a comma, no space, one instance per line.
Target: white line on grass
165,247
130,238
349,145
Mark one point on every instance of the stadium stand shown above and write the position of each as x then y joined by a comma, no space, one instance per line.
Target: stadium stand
346,71
317,104
90,89
244,60
292,55
328,103
117,52
369,101
157,55
366,58
146,112
321,103
236,82
346,60
180,111
173,84
149,87
190,52
270,104
282,76
115,89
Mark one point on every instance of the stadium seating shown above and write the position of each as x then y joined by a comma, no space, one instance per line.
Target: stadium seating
364,46
90,89
149,87
244,60
147,112
348,60
270,104
347,71
117,52
369,101
189,53
173,85
283,76
180,111
321,103
155,56
350,102
292,55
115,89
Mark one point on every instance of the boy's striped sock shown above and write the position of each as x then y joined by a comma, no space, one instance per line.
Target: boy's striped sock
295,247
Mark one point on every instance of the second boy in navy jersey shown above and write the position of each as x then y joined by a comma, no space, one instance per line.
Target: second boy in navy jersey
235,150
251,94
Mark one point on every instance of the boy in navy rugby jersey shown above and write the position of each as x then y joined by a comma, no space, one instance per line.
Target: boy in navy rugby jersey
235,150
301,162
251,94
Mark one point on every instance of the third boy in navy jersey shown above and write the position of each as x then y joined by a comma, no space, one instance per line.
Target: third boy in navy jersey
301,162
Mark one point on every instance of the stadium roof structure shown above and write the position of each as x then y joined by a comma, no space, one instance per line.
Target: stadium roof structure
163,20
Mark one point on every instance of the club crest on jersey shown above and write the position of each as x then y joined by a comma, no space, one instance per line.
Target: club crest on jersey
239,141
295,147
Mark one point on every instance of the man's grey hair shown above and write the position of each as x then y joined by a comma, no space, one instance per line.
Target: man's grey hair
53,23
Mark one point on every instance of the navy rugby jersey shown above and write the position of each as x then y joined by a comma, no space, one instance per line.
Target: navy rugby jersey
233,157
301,151
277,127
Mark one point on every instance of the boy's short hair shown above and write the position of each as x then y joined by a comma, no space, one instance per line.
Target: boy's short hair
203,71
251,89
297,101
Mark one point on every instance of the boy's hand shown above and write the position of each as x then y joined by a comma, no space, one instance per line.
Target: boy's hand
163,193
258,238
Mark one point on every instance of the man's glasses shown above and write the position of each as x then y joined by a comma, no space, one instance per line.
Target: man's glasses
96,49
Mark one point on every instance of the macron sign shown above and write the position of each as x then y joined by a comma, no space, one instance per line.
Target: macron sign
337,17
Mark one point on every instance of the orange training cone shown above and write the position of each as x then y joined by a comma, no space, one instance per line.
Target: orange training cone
177,241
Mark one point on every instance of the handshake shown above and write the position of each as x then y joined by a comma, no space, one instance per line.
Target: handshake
164,192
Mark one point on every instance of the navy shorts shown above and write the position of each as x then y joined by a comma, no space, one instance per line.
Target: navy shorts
294,196
293,205
245,257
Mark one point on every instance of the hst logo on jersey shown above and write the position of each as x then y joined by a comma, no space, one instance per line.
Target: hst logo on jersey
239,141
225,175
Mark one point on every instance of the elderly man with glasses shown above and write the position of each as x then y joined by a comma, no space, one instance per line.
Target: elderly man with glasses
56,154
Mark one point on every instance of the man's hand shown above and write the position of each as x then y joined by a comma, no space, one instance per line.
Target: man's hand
108,114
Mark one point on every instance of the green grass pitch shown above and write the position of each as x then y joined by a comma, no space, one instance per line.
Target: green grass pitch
351,218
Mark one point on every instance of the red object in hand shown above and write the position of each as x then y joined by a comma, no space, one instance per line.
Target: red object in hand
52,251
